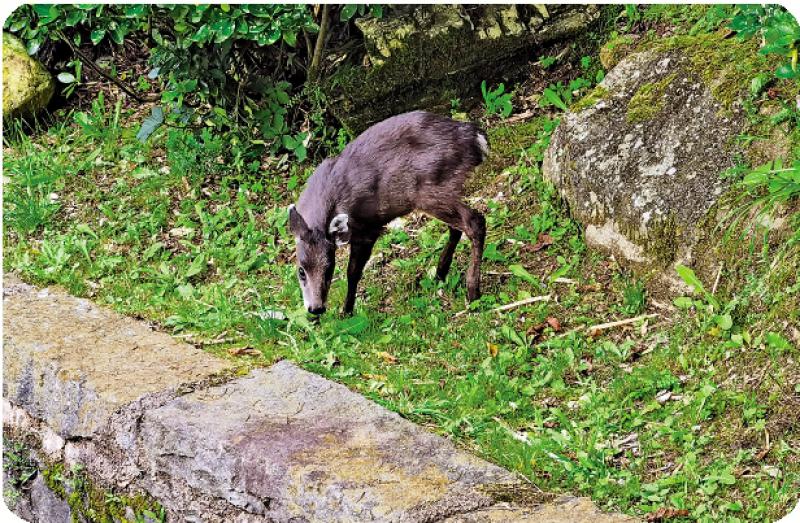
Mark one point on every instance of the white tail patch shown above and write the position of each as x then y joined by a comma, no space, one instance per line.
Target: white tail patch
483,145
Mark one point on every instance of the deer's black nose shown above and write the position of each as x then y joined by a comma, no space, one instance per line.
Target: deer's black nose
316,310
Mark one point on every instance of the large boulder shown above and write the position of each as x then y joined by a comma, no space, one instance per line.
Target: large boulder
27,86
423,56
639,161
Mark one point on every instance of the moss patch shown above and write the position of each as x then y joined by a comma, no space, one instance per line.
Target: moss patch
648,100
615,50
88,502
597,94
726,65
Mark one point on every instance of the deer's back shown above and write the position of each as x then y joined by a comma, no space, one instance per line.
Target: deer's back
403,163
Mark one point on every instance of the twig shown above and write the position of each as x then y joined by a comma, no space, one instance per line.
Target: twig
604,326
99,70
716,281
313,70
569,281
520,303
309,47
612,324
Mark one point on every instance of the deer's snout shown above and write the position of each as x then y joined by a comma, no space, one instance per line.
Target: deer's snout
317,310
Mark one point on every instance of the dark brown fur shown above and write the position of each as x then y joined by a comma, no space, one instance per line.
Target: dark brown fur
413,161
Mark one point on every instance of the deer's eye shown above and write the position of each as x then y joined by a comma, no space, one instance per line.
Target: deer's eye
301,273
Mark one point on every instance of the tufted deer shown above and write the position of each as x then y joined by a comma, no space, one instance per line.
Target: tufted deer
413,161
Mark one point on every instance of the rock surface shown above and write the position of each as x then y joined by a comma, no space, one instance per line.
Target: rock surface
423,56
563,510
640,164
279,444
27,86
299,446
72,364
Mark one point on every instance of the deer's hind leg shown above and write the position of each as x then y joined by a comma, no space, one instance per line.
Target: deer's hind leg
446,259
472,223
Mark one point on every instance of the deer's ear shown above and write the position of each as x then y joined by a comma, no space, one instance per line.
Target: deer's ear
339,229
297,225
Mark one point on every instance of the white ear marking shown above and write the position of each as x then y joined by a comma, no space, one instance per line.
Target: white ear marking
338,224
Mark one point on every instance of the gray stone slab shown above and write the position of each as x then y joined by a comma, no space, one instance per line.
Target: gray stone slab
284,444
72,364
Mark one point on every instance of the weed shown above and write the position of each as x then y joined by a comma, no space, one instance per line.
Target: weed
496,101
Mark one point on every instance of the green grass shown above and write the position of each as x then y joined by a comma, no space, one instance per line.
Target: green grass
170,231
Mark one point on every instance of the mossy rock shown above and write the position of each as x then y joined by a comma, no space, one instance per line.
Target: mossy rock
27,86
615,50
639,160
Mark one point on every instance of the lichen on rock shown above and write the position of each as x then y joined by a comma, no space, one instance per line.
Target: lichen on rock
639,162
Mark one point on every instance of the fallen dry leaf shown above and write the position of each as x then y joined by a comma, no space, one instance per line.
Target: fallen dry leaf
554,323
244,351
545,240
493,349
667,513
388,358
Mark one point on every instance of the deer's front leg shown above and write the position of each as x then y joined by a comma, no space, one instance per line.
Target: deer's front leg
360,251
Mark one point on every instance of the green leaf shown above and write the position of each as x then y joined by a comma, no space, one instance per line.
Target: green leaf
118,35
202,34
66,78
691,279
520,272
151,251
33,47
300,152
758,83
785,72
347,12
151,123
197,266
724,321
599,76
776,341
683,302
223,29
185,291
552,97
97,36
354,325
74,17
85,229
288,142
135,10
290,38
